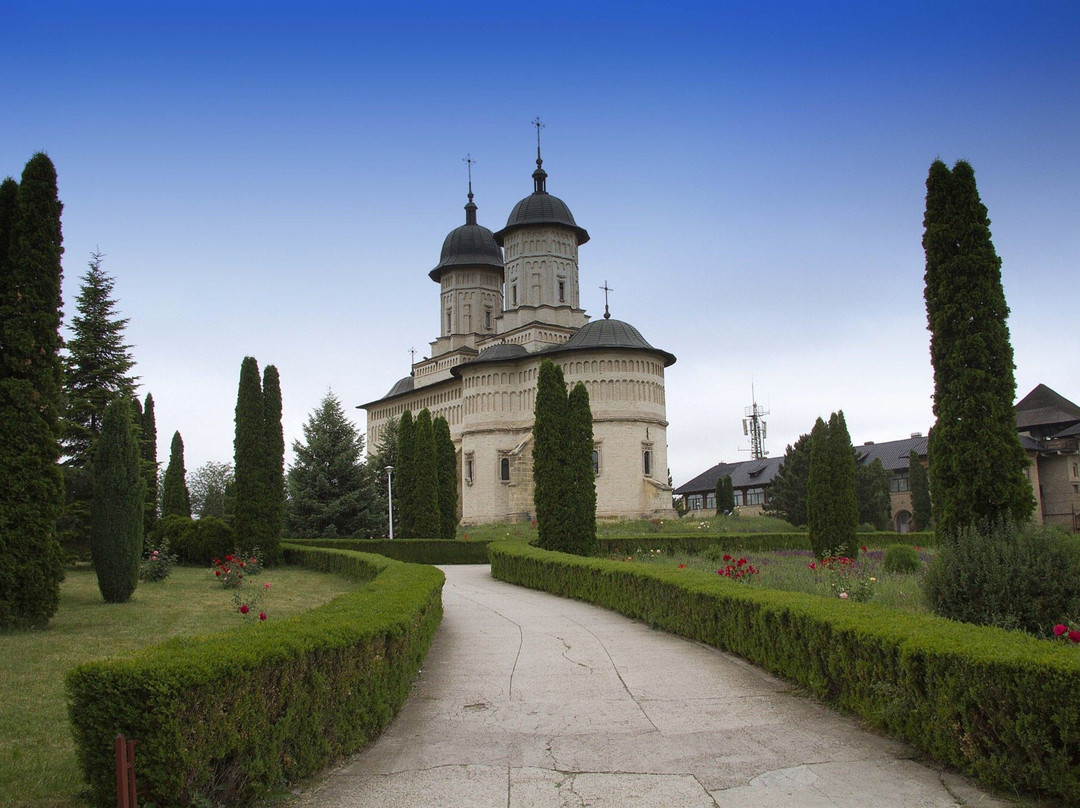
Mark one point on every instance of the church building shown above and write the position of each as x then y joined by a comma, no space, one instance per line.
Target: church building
507,301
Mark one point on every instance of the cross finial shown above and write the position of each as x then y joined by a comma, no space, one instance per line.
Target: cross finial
539,125
468,159
606,288
412,360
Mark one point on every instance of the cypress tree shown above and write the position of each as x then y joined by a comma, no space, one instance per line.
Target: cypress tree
976,461
920,492
728,503
31,482
404,518
581,493
97,366
817,502
788,491
845,506
718,496
273,463
148,450
9,211
550,466
175,497
116,525
448,479
424,496
248,463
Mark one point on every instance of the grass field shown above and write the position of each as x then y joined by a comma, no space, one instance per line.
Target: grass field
37,756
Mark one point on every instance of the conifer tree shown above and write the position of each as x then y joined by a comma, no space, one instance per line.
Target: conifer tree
920,492
273,463
116,532
550,467
251,495
9,210
448,477
148,450
976,461
424,506
832,507
872,494
581,493
718,496
30,369
788,491
727,502
404,476
175,497
97,366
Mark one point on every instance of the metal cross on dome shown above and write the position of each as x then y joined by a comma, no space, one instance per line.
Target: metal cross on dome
606,288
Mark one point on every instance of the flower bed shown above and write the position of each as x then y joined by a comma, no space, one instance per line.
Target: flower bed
233,716
992,703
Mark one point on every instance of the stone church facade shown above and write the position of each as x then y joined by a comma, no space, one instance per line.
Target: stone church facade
508,300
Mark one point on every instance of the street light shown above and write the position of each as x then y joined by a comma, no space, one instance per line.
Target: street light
390,496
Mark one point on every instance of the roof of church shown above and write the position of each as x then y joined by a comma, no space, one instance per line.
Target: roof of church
401,386
470,244
1044,407
608,333
540,207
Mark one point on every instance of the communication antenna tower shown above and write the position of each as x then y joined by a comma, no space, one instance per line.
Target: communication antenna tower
756,428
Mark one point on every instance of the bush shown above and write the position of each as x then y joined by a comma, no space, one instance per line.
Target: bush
902,558
195,541
1006,575
157,564
416,551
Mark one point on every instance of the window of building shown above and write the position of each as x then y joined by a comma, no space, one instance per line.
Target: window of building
596,461
513,295
468,468
755,496
710,501
1076,470
487,319
899,482
562,291
693,502
646,461
448,323
504,469
738,496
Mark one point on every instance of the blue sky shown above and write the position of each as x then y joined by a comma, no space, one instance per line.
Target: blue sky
276,180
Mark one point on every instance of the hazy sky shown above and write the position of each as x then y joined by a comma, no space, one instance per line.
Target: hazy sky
276,180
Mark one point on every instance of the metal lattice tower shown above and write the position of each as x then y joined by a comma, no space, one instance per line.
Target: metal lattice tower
755,427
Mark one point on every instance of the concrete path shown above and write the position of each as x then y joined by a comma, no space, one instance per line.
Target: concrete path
527,699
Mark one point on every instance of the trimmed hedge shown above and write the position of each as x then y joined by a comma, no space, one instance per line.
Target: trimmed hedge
233,716
998,705
414,551
745,542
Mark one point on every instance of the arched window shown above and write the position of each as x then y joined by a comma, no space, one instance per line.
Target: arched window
504,469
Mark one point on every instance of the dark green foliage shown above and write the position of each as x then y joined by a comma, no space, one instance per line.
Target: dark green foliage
977,464
994,704
404,473
718,495
698,541
787,492
196,541
420,518
73,525
580,477
872,495
901,558
252,522
817,511
175,497
116,522
97,366
550,468
920,492
414,551
832,507
31,482
273,464
331,490
150,464
448,477
725,500
1007,575
227,718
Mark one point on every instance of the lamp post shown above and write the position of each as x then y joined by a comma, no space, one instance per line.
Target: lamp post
390,496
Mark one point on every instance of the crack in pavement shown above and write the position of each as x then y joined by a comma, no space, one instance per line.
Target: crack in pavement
515,624
566,651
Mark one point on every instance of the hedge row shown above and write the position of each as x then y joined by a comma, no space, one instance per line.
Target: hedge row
414,551
998,705
744,542
233,716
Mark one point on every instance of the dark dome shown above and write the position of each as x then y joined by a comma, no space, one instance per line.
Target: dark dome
468,245
608,333
502,351
401,386
540,207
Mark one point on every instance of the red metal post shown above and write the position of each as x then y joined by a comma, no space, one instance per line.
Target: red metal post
125,773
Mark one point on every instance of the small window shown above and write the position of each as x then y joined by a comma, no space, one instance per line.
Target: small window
504,469
513,295
710,502
468,469
487,319
693,502
449,328
646,459
755,496
596,462
738,496
562,291
899,482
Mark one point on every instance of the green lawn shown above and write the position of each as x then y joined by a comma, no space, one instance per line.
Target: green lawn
37,757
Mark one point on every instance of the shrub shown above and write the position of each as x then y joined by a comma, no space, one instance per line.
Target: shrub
196,541
1006,575
157,564
901,558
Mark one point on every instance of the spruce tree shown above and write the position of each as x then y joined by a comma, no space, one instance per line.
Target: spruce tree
581,493
273,463
251,495
148,450
448,479
404,518
872,493
977,464
550,462
920,492
175,497
116,532
788,490
424,507
97,366
31,483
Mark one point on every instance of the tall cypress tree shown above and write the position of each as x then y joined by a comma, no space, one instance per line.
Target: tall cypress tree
788,491
831,505
424,508
248,461
727,502
550,466
404,475
9,211
175,497
98,363
581,481
448,477
148,450
30,371
976,461
273,462
920,492
817,502
116,532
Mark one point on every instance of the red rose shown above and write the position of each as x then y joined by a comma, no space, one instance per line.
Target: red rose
262,615
217,573
863,548
1059,629
228,558
244,608
1074,635
682,566
727,558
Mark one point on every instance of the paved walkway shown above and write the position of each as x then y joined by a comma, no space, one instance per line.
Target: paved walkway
527,699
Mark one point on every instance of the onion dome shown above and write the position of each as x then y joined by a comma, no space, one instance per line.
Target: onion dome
469,245
609,333
541,208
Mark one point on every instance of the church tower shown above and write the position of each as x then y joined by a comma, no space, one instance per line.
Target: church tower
540,247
